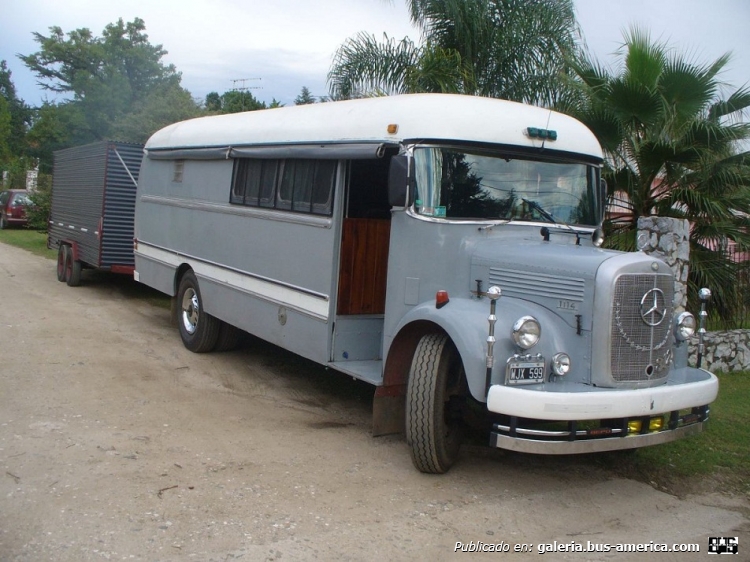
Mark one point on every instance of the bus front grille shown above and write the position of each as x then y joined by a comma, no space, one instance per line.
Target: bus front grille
641,332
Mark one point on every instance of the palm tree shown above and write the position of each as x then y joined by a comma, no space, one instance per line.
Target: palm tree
512,49
672,146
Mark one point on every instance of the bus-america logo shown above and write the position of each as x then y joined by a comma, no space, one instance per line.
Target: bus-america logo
723,545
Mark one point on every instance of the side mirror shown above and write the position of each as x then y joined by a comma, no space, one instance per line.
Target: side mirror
398,181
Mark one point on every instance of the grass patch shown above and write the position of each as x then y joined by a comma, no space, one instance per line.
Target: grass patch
32,240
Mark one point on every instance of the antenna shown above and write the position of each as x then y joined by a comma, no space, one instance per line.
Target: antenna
244,88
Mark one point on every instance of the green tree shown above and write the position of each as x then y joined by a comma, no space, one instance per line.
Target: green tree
56,126
164,105
105,77
672,146
512,49
304,97
233,101
213,102
15,118
5,130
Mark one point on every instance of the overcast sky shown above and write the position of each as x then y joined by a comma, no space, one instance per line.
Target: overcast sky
279,46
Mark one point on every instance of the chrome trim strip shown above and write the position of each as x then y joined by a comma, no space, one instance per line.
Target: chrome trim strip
544,433
486,223
303,300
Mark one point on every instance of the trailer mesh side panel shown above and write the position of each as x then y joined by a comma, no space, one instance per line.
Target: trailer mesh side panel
119,204
93,201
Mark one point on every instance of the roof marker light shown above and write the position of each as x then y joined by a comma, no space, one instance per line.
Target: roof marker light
544,134
392,128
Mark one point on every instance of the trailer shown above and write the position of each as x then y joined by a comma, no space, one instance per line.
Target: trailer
93,207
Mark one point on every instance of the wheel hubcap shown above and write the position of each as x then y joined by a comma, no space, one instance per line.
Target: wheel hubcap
190,311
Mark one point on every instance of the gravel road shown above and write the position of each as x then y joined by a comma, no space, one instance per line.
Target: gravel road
116,443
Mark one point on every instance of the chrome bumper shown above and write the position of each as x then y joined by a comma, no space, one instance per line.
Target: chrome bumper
501,440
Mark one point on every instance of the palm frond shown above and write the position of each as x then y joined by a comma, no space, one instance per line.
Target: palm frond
363,65
738,102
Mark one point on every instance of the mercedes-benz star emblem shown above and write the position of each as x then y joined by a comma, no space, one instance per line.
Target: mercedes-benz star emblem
653,307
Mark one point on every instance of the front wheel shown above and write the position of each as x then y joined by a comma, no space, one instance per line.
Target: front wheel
199,330
434,397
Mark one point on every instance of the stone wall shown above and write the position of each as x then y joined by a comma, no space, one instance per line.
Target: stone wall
725,351
668,239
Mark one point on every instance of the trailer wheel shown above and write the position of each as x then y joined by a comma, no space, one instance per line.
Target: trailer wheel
62,262
434,396
199,330
72,268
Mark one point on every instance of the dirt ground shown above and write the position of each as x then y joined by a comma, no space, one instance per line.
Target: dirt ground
117,443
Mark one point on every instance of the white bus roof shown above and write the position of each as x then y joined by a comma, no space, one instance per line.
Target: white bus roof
416,116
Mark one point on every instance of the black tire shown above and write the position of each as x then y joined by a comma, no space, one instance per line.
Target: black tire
434,397
229,337
72,269
62,262
199,330
3,222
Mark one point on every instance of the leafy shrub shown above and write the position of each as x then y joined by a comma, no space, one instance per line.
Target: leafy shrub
41,198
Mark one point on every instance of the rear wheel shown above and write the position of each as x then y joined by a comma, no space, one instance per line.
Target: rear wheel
62,262
434,402
72,268
199,330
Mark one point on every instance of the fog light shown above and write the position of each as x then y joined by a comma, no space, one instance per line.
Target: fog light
561,364
634,426
656,424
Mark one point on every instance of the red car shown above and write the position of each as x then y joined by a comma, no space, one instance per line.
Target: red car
13,203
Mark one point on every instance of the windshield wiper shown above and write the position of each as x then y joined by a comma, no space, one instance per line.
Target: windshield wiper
545,231
540,210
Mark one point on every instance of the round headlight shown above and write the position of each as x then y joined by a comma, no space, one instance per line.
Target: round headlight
526,332
685,327
560,364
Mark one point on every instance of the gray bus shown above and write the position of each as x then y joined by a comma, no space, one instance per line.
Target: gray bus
443,248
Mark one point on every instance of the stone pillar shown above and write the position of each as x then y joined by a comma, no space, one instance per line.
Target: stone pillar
669,240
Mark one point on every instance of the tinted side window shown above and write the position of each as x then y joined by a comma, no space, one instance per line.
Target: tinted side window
304,186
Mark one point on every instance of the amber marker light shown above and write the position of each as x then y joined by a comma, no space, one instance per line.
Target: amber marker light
441,299
392,129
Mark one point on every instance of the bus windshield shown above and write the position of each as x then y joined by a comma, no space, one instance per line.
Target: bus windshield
461,185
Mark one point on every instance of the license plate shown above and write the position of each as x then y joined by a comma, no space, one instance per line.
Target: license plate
525,372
